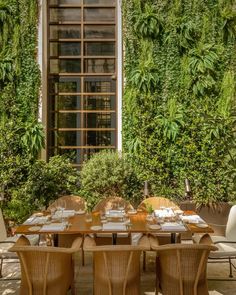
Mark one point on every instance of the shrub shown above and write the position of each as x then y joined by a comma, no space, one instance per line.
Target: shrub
107,174
45,182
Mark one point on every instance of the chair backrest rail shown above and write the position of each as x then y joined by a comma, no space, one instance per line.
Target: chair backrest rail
22,258
127,271
108,276
180,273
200,266
46,274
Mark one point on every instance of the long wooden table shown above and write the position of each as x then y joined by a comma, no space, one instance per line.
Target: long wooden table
138,224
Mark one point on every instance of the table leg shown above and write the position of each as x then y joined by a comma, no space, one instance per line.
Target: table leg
114,237
173,238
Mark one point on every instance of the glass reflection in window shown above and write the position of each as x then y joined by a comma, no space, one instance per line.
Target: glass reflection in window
99,65
65,66
99,48
99,84
65,14
65,32
99,14
64,48
99,32
99,102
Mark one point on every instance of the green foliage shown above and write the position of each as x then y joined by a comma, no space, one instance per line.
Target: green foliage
171,121
183,126
202,67
109,174
146,21
21,137
44,182
33,139
144,77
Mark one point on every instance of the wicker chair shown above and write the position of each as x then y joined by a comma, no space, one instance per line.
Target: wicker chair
157,203
107,204
113,203
116,268
69,202
45,270
226,245
6,242
181,268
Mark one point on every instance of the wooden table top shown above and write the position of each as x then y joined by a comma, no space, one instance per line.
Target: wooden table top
138,224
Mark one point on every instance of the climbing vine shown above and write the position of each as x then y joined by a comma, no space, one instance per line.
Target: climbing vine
179,101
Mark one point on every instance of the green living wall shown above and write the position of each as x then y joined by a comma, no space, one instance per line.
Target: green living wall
26,184
179,100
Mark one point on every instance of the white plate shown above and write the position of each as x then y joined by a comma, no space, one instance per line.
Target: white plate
132,212
202,225
80,212
34,228
38,214
96,227
154,226
178,212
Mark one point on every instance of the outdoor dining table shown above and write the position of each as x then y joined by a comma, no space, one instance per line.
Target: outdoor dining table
137,223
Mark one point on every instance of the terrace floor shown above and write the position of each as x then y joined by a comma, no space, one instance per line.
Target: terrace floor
84,279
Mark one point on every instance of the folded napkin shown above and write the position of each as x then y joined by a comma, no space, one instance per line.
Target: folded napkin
164,213
192,219
53,227
114,226
36,220
173,226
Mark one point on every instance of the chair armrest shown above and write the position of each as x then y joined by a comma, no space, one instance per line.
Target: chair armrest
144,242
225,242
24,248
154,242
76,245
89,244
7,242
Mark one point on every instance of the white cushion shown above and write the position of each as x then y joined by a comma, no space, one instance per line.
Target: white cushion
224,249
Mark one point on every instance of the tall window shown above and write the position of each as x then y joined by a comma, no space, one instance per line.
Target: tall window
82,62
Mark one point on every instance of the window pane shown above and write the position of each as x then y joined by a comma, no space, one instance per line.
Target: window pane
99,65
99,102
65,102
99,48
75,155
65,32
68,120
66,49
97,138
64,85
65,14
59,2
99,84
99,2
65,66
69,138
99,14
99,32
99,120
94,138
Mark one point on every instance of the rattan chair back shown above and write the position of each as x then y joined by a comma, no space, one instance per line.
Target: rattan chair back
181,269
45,270
157,203
113,203
116,267
69,202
